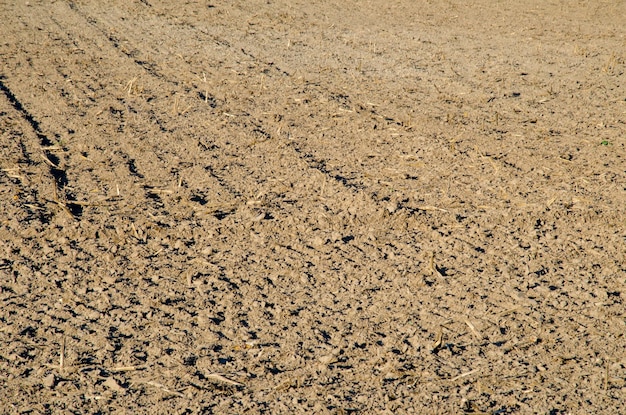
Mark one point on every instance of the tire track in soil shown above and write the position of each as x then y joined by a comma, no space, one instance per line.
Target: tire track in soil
67,103
103,308
46,148
111,120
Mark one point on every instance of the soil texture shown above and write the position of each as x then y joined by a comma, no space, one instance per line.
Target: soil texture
325,207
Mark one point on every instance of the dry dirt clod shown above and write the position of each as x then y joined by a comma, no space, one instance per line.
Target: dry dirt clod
113,384
49,381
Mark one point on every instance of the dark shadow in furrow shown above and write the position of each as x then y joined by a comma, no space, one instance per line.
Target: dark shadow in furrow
45,141
60,177
279,70
223,213
320,165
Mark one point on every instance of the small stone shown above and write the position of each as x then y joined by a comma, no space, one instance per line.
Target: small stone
328,359
49,381
113,385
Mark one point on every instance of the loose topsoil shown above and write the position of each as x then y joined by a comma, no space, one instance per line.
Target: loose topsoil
313,207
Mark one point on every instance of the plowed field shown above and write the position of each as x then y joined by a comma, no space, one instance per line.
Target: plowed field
324,207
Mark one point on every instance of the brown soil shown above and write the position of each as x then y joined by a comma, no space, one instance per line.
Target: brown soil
321,207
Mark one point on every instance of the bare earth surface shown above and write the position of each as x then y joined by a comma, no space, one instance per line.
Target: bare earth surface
322,207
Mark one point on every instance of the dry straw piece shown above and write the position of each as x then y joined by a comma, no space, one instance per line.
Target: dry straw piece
474,331
164,388
221,379
62,356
